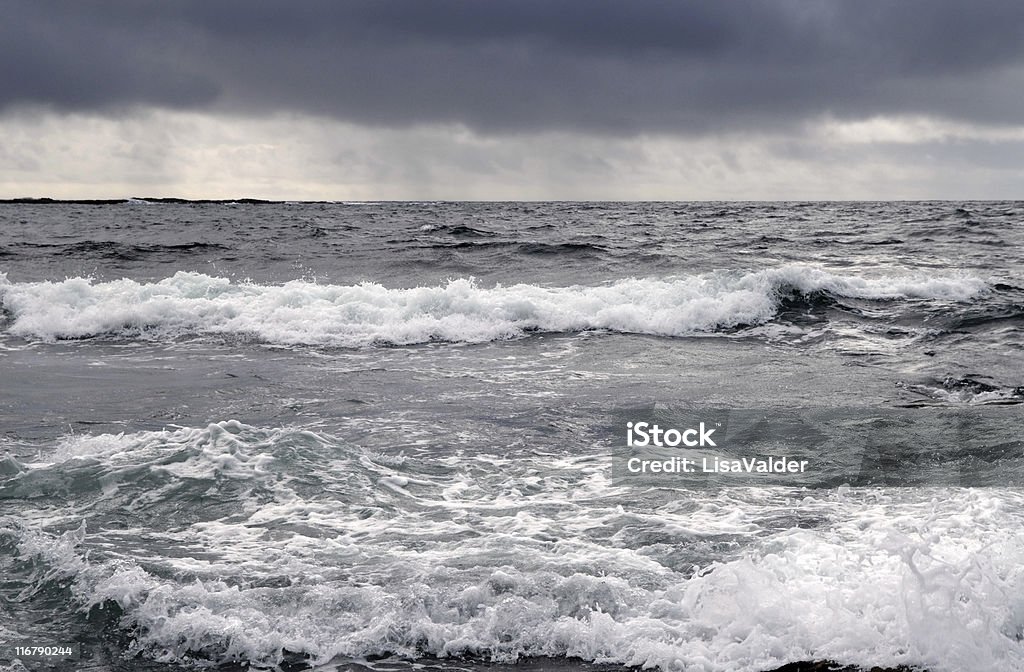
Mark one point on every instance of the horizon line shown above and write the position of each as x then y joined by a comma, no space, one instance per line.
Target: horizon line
246,200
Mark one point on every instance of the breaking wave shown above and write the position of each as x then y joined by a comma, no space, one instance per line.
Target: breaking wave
931,581
301,312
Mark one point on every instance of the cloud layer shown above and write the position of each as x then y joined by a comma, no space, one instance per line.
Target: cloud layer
598,66
517,99
297,157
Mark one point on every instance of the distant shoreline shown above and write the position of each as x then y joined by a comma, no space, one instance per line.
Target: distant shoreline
118,201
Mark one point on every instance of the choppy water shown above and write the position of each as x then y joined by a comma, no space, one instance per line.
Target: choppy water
322,434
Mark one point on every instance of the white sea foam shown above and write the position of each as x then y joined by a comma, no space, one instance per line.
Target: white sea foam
461,310
940,595
448,562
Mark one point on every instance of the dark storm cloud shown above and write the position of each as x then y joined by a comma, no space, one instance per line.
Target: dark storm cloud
592,65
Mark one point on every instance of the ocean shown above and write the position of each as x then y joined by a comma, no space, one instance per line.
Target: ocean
394,436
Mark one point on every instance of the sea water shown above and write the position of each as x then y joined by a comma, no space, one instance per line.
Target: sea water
381,435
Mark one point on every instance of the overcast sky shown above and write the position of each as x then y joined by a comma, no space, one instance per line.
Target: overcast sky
513,99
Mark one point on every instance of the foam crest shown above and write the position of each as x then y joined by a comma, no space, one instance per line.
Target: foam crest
225,447
136,470
461,310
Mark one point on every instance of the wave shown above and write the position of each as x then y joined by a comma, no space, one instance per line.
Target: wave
457,230
954,390
891,579
114,250
524,248
299,312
